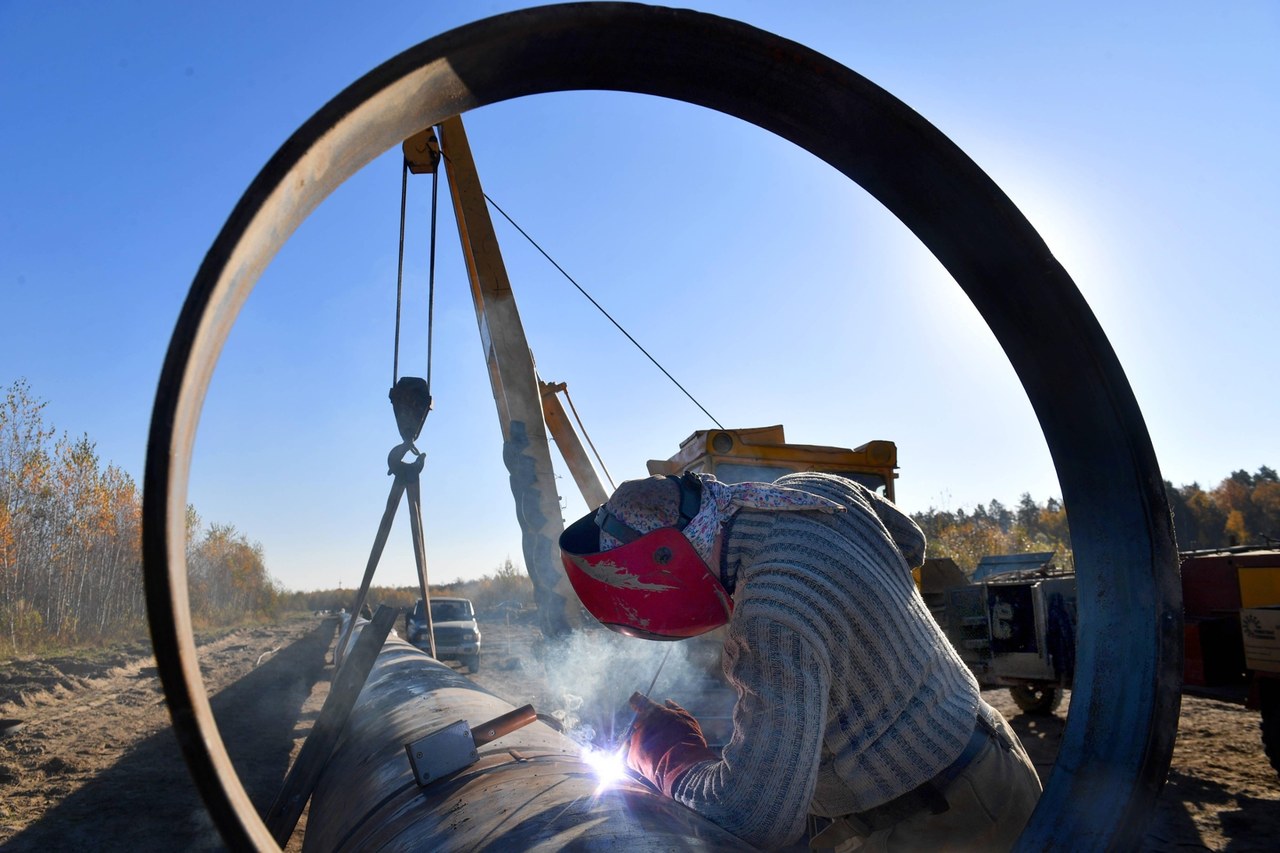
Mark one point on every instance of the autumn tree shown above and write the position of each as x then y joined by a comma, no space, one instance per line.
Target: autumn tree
70,542
24,495
1244,509
966,536
227,577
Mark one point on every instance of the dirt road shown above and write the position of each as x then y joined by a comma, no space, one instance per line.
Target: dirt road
95,766
1221,792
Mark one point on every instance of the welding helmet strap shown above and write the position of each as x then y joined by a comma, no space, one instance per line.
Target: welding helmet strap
615,527
690,497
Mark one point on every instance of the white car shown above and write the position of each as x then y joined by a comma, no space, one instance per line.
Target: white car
453,621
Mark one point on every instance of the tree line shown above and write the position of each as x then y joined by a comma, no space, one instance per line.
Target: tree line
71,566
508,582
1243,509
71,544
966,536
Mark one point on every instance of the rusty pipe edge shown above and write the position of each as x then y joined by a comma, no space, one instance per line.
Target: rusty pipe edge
541,797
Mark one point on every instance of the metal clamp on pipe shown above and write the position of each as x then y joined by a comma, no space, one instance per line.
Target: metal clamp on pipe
452,748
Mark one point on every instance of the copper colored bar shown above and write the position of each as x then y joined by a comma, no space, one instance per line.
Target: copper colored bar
505,724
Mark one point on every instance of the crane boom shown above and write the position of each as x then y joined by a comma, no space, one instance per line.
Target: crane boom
525,448
575,455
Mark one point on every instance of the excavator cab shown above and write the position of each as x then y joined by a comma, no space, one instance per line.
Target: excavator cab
761,454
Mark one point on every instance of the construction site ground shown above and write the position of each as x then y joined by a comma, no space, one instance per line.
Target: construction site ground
94,764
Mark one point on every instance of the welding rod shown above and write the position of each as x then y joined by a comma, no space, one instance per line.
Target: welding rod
626,735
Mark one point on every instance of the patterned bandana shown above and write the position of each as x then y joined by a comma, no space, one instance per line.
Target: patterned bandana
648,504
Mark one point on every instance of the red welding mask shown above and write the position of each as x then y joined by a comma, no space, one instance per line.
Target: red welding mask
654,585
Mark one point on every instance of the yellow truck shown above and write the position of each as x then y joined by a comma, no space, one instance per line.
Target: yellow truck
1231,602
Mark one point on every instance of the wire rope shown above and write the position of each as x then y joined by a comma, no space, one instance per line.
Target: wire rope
597,305
431,274
404,192
601,309
583,429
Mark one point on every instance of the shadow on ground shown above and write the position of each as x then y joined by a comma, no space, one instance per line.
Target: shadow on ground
148,801
1041,735
1172,822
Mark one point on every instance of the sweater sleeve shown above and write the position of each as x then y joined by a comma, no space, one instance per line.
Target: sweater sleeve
761,788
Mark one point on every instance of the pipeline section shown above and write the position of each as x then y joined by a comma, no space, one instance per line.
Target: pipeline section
526,790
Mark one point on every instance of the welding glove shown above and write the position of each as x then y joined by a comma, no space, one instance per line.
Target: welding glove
666,741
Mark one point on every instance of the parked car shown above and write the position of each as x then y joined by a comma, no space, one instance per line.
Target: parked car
453,621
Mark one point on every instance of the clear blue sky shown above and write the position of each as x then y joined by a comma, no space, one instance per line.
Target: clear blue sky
1139,138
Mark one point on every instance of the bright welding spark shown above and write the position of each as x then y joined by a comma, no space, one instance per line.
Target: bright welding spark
609,765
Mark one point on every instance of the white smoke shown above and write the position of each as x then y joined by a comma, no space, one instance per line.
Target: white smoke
593,672
567,714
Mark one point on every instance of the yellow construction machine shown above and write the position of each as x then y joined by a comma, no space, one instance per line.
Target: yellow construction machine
762,455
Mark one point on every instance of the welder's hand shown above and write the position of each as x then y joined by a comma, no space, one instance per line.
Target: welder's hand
665,742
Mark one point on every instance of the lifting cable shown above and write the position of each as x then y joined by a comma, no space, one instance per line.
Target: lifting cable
431,273
581,290
583,429
404,193
600,308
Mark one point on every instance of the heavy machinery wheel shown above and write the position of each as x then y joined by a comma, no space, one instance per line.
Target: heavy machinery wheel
472,662
1269,688
1041,701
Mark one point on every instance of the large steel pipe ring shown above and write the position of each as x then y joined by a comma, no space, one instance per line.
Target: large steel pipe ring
1118,740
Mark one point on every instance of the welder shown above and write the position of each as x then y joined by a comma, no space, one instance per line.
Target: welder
856,721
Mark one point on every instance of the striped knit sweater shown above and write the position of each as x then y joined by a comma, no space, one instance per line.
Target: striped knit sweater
848,692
